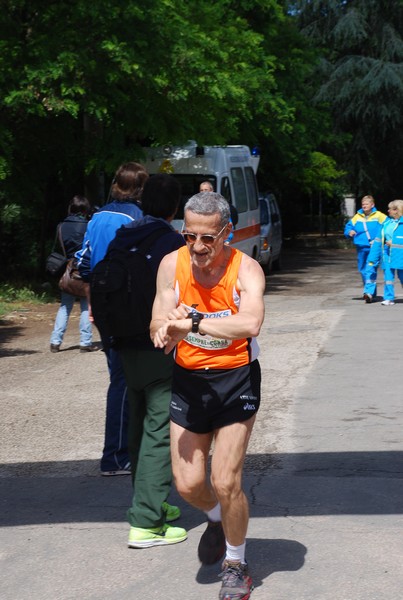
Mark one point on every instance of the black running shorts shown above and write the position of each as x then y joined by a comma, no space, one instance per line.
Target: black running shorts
207,399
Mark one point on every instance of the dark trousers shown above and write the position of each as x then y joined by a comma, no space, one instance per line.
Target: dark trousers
115,454
148,377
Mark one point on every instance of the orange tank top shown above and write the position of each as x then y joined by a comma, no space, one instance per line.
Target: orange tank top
198,351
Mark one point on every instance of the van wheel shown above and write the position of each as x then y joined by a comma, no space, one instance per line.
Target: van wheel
267,268
276,265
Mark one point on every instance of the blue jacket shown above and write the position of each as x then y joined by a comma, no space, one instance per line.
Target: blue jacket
101,230
390,256
366,228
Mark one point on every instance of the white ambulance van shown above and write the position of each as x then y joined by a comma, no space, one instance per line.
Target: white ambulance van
232,172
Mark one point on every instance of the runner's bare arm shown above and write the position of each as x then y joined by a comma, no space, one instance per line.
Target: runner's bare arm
248,321
168,324
164,300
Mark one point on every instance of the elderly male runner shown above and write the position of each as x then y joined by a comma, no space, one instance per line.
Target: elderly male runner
209,304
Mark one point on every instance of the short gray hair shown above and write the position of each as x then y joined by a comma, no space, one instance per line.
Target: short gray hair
209,203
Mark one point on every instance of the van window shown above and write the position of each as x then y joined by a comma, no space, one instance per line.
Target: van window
238,181
226,189
190,185
264,213
252,187
274,211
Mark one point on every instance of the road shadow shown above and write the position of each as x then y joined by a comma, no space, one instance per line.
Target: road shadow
267,556
329,483
9,331
306,270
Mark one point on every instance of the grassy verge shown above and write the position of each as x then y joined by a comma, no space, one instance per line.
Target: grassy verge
13,297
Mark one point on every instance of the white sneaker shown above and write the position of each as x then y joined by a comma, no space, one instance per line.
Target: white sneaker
388,303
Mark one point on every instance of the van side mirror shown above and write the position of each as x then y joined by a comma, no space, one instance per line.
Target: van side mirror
234,215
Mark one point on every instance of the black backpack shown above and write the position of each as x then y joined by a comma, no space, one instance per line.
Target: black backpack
123,287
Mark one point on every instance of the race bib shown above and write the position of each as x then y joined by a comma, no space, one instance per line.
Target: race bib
207,342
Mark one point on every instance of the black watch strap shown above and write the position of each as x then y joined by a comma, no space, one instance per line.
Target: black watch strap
196,318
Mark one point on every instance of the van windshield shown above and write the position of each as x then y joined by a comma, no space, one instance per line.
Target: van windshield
190,185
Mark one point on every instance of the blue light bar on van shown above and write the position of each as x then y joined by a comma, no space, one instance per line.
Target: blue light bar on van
255,151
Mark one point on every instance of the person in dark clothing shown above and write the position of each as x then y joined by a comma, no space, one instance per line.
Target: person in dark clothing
148,374
71,232
124,208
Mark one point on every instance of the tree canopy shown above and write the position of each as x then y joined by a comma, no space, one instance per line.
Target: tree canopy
316,85
360,78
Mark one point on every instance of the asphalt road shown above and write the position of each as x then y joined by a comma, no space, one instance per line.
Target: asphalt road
323,472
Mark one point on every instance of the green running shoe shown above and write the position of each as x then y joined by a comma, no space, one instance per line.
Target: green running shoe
157,536
172,512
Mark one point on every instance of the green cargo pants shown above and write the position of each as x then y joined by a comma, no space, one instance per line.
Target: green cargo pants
148,377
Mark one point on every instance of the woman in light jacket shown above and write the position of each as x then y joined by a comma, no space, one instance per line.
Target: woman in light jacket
387,249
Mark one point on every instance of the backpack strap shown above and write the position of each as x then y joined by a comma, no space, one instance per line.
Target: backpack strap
59,235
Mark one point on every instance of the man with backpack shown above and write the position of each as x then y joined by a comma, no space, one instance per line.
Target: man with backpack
122,294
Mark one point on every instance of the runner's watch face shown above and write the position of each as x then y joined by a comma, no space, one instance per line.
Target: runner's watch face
196,318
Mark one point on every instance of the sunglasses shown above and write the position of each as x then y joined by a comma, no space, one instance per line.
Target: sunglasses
206,238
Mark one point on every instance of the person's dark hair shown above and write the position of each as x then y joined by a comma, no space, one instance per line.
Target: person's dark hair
129,182
79,205
161,196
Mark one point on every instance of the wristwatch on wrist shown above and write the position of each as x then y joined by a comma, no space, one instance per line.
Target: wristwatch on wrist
196,318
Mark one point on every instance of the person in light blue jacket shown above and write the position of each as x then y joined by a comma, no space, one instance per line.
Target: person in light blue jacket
363,228
387,250
123,209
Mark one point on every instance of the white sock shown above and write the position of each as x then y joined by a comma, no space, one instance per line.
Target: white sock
214,514
236,553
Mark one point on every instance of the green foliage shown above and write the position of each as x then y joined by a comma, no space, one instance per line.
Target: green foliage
296,127
321,174
86,84
361,80
9,215
13,297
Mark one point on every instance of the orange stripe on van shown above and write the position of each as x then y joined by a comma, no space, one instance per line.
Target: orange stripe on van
245,233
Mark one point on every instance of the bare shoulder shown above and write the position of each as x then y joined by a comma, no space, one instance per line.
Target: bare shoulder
250,275
169,261
166,271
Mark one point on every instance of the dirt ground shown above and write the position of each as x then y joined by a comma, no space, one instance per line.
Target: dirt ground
53,404
303,272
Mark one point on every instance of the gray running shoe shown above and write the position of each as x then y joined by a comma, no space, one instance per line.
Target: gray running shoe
236,581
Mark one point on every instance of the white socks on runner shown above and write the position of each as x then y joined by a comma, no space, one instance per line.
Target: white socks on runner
236,553
214,514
